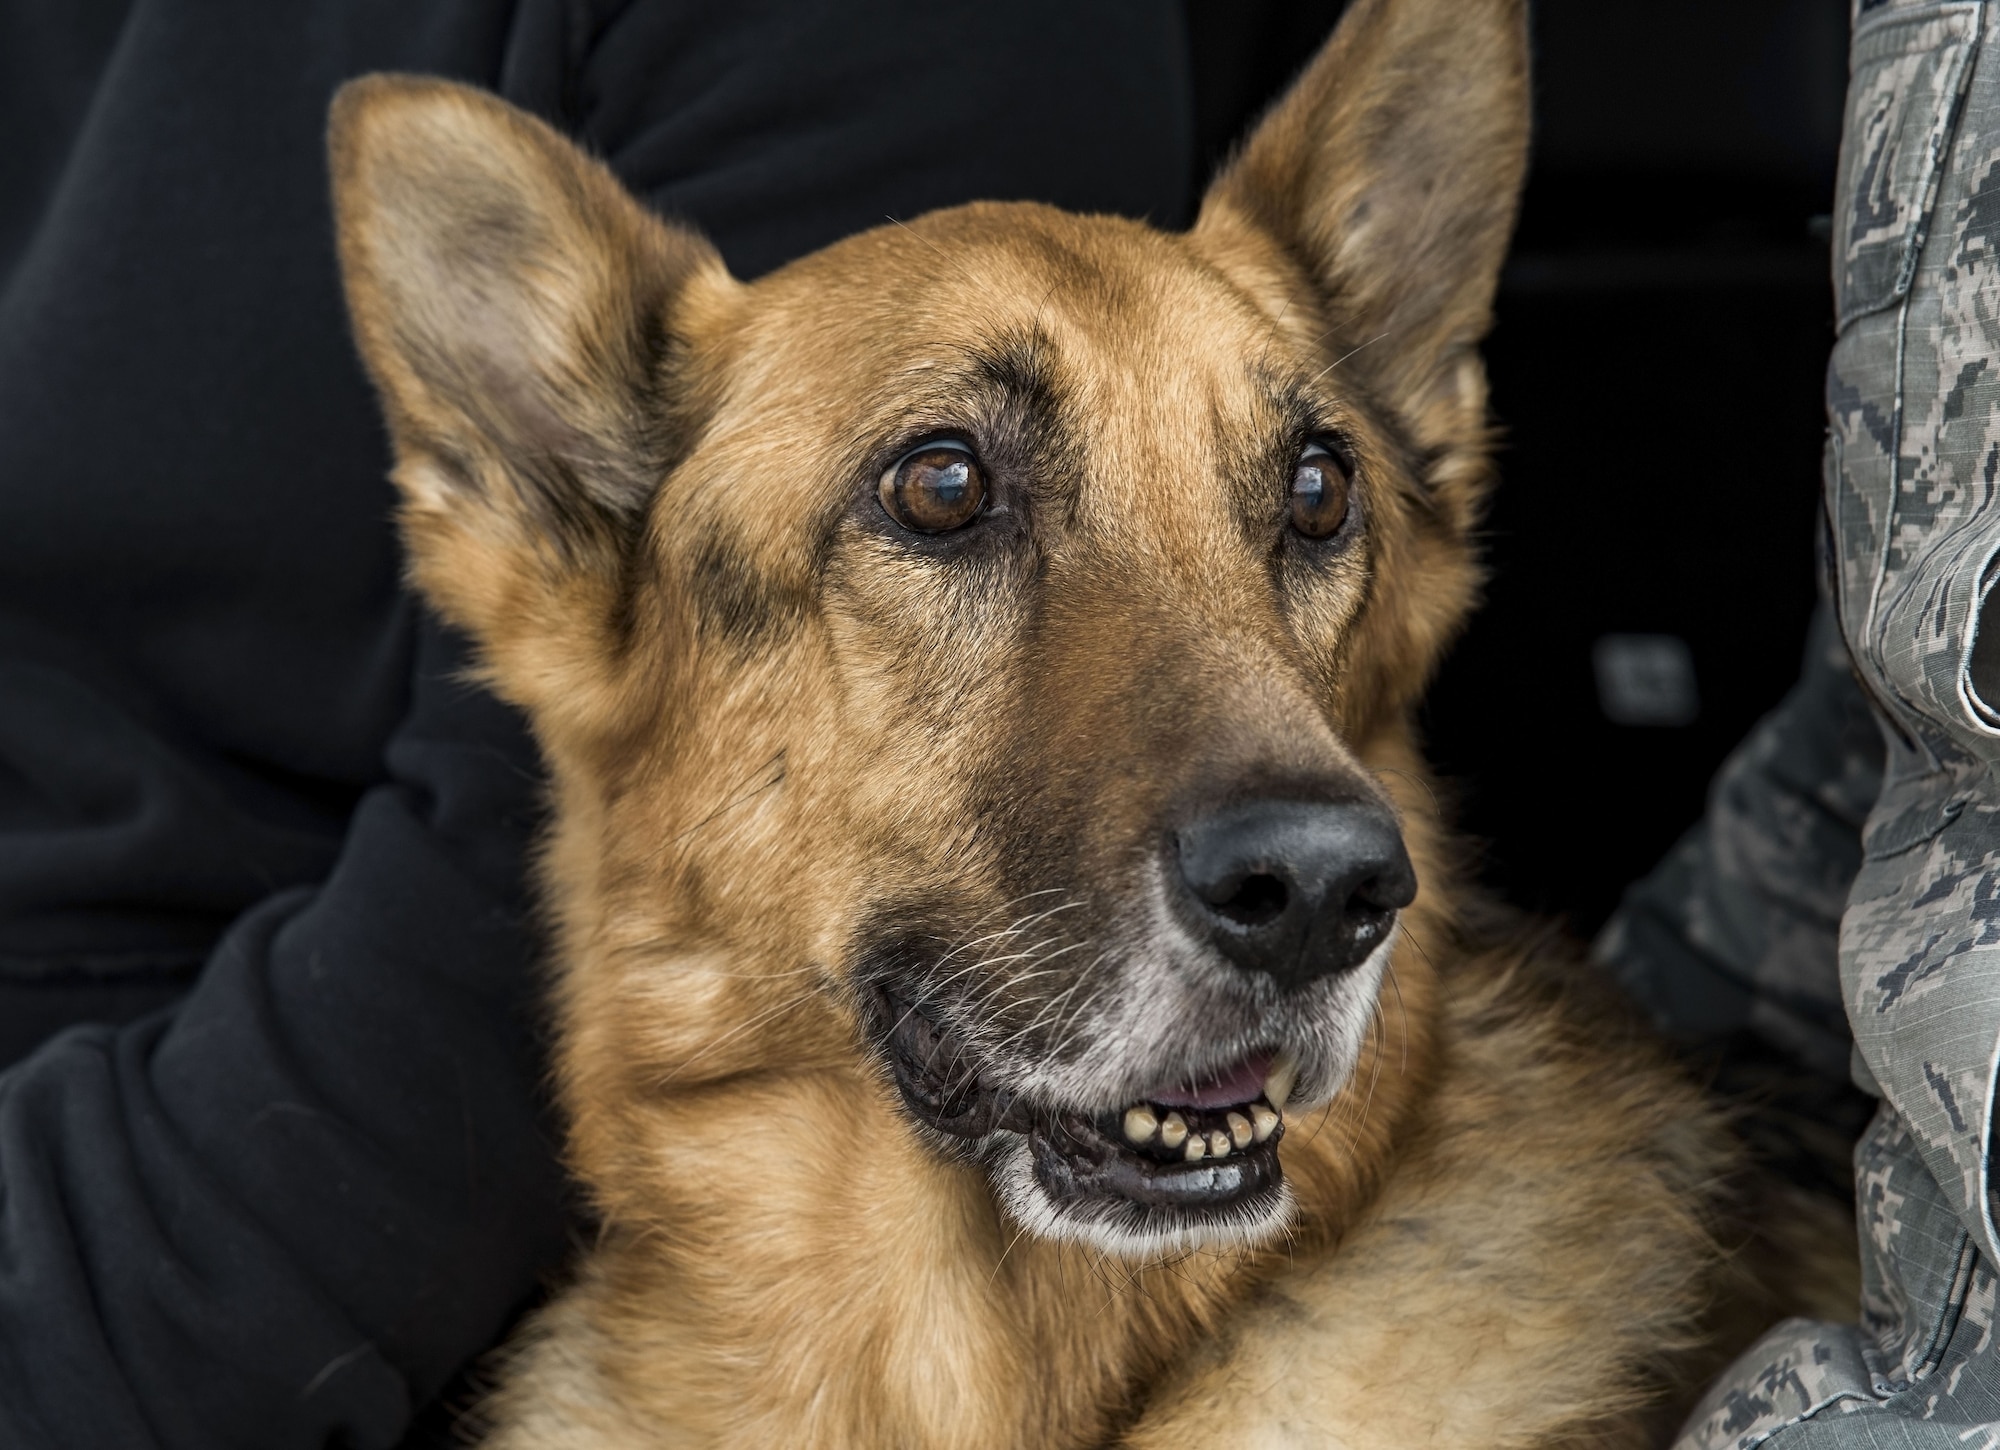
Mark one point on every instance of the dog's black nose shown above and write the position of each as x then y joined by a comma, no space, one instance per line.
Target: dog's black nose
1295,890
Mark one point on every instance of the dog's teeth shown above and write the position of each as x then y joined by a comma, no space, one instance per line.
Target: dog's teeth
1140,1124
1218,1144
1284,1073
1263,1122
1197,1149
1239,1130
1173,1130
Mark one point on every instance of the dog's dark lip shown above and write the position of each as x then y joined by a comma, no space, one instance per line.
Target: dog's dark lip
1078,1157
939,1081
1078,1162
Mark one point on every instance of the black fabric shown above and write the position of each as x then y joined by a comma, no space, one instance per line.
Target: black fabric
261,851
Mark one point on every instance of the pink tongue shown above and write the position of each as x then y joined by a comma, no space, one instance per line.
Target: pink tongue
1239,1084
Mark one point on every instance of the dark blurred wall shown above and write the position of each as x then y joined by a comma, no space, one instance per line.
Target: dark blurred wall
1662,330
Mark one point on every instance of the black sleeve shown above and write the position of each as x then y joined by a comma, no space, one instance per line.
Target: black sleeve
288,1209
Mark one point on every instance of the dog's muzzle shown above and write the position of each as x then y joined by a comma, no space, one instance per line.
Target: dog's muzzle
1281,899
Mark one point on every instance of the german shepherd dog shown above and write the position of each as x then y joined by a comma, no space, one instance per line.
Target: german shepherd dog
1013,988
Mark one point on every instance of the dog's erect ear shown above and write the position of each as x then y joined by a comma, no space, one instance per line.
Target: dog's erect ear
520,314
1390,172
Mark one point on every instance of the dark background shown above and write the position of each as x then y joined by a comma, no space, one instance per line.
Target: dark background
1656,365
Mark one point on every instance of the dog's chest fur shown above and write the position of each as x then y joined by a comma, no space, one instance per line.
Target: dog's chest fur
1448,1283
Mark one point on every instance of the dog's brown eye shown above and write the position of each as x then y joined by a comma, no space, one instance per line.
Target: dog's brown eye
1319,494
934,489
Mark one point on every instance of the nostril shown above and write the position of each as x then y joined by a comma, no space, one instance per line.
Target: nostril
1295,890
1377,894
1258,900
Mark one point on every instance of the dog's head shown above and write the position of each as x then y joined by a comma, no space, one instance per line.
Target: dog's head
967,644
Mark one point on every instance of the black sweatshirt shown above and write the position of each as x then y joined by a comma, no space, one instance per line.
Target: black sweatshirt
273,1157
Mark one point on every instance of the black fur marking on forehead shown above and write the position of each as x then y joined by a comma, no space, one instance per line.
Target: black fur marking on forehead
1020,365
1030,416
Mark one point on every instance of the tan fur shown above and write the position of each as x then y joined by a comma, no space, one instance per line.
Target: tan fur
634,480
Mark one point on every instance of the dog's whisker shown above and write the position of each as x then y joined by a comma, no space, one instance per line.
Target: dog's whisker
1050,1010
1088,977
1346,355
1402,1011
1325,1113
919,236
1437,810
1001,907
1381,1027
774,766
1018,1231
1013,929
1027,953
931,989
